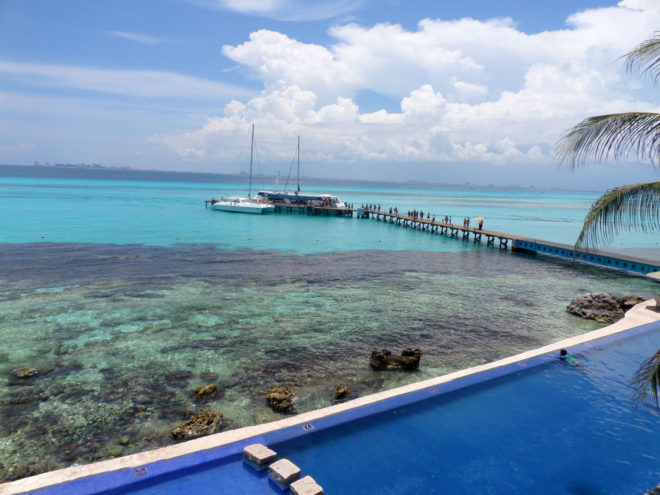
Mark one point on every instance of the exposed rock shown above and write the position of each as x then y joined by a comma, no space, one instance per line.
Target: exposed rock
629,301
382,359
605,308
25,372
342,392
205,423
281,399
206,391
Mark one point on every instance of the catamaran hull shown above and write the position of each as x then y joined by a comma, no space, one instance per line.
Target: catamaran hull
244,208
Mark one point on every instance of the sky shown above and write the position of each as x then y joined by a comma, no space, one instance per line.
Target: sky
474,91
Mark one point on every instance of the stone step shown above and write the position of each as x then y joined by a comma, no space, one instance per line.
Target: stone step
258,456
306,486
283,473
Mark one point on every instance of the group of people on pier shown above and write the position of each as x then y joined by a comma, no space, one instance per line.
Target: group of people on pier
419,215
370,207
466,223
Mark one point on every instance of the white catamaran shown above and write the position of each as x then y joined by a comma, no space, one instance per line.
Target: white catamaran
239,204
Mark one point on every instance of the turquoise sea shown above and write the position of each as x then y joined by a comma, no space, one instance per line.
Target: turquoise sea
126,295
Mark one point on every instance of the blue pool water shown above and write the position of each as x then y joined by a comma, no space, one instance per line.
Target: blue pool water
554,428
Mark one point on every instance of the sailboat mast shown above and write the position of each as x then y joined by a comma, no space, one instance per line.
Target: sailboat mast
251,154
298,175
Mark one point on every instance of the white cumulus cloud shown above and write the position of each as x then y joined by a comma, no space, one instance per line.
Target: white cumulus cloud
470,91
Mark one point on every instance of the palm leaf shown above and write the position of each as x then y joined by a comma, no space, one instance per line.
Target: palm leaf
617,135
646,381
646,58
633,207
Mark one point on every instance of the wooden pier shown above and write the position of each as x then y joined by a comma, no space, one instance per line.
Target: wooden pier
491,238
515,243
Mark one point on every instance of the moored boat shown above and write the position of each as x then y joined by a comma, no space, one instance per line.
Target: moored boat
241,205
299,198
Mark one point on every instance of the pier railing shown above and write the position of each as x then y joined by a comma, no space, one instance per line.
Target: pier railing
513,242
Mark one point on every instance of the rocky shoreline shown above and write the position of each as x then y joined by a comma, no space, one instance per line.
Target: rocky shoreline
604,308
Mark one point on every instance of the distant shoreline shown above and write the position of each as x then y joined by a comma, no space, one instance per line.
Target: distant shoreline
109,173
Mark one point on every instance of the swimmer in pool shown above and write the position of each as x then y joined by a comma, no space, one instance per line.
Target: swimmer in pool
565,356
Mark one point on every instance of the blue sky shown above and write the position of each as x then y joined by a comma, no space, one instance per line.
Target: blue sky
472,91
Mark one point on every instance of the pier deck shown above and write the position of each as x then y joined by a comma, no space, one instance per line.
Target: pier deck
514,243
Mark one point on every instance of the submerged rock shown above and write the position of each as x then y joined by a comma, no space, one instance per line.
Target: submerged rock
605,308
18,471
206,391
205,423
281,399
178,379
25,372
209,376
382,359
342,392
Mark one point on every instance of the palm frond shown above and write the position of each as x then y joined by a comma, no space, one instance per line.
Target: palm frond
646,381
646,58
633,207
617,136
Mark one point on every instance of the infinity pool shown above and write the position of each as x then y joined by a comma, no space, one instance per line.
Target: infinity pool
542,426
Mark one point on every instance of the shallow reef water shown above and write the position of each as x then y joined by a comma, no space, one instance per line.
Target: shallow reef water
122,335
